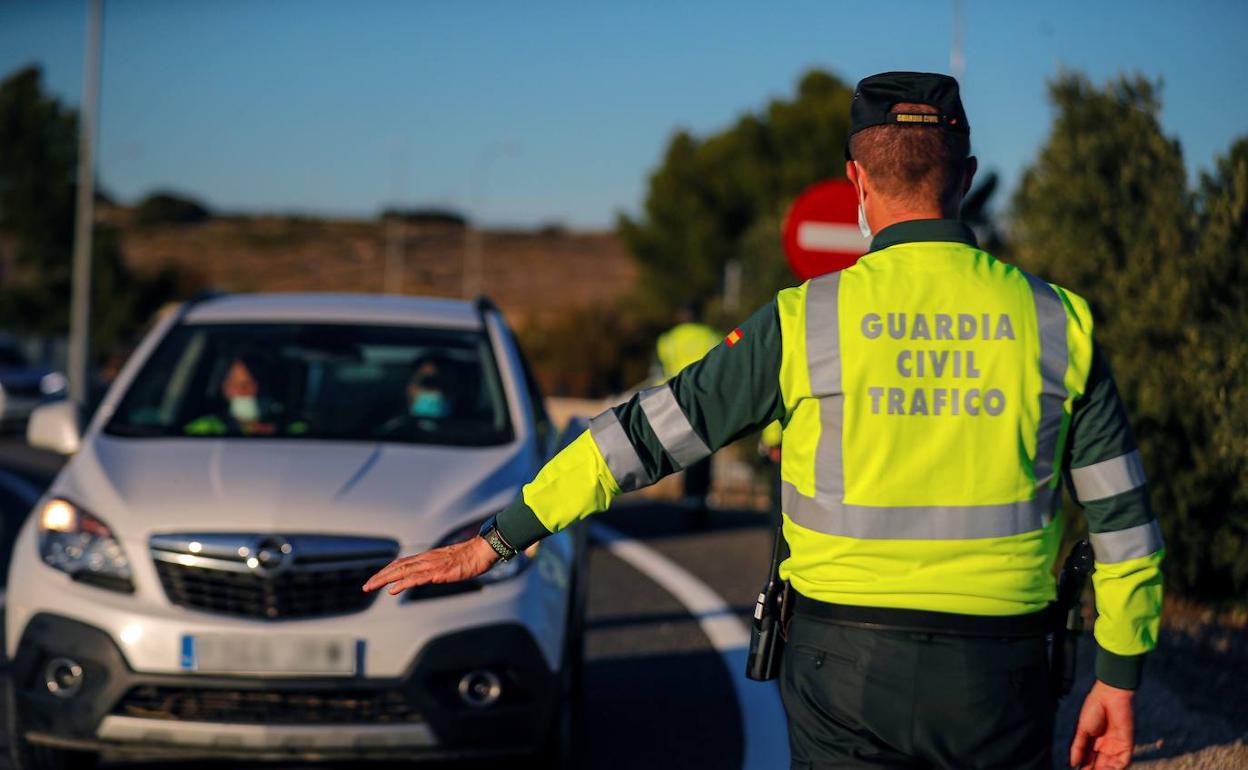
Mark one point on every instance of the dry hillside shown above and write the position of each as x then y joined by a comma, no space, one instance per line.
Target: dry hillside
531,274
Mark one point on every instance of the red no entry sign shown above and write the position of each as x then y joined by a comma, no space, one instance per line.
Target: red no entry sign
821,230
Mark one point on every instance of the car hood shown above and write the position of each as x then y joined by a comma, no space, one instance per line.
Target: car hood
414,494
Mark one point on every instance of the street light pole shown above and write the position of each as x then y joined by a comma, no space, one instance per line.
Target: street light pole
394,227
957,52
472,278
84,212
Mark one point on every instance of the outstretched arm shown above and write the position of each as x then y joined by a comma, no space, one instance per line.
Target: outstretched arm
732,391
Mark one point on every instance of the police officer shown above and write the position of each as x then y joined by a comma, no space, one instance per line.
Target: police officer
684,344
934,400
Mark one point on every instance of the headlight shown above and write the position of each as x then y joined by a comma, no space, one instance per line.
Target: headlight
82,546
53,384
502,570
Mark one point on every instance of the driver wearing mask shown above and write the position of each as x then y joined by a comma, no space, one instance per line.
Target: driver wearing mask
249,409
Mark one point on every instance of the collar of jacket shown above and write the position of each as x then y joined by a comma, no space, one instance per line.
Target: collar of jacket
916,230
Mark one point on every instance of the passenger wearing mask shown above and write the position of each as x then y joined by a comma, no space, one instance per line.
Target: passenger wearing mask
428,397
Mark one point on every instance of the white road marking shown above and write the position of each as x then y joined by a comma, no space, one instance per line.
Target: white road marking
831,236
762,715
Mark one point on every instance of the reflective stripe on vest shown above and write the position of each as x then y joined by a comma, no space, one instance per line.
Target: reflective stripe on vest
618,451
827,511
823,360
672,427
1054,357
919,522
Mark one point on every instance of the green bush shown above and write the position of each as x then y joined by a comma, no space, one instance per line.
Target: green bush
165,208
591,352
1106,211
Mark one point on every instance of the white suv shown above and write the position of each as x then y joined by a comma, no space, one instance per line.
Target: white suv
190,585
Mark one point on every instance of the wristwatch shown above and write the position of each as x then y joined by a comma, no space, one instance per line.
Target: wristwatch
489,531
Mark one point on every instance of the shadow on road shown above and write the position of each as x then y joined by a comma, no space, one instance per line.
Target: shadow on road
674,710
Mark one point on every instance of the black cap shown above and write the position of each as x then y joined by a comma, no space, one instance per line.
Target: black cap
875,96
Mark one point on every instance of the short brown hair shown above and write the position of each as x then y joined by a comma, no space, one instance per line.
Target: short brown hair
914,164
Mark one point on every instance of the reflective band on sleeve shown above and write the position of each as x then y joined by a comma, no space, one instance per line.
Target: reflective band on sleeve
919,522
1130,543
823,359
618,451
1108,477
672,427
1054,358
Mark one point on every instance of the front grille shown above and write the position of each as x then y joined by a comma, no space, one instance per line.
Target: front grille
269,577
289,707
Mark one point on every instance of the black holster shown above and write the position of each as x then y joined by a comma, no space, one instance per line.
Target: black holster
1068,618
772,611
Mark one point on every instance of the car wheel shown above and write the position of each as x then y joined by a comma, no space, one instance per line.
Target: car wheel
25,756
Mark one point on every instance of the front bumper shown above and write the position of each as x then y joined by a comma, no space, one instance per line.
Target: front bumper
123,712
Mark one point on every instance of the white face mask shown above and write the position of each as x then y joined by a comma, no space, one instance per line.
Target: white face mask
245,408
863,226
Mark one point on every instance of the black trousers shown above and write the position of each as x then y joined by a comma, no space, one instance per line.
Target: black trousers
864,698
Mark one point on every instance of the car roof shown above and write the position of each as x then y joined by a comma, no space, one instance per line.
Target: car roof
337,308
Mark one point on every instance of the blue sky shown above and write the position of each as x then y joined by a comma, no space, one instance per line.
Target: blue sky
526,113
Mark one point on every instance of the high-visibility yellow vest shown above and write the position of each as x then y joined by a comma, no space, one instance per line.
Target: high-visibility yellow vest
684,344
928,395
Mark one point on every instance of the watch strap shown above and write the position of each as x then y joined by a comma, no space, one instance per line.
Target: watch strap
496,540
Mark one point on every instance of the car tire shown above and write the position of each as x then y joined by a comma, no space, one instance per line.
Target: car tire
25,756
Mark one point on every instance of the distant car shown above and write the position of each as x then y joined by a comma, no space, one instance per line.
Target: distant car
190,584
23,386
18,496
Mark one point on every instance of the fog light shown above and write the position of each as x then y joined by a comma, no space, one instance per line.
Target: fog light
480,689
63,677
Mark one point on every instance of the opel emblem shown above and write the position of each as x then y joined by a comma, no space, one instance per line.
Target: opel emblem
272,555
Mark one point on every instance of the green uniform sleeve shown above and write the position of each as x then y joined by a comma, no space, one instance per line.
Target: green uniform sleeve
1107,478
732,391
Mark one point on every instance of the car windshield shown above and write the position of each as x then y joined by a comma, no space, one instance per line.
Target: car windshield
318,381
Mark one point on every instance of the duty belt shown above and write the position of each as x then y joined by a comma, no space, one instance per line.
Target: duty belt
1036,623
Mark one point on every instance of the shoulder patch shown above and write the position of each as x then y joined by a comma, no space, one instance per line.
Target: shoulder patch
734,336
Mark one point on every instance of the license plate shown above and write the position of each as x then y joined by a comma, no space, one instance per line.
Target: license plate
272,654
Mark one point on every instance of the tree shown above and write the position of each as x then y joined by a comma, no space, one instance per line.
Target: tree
713,199
38,157
164,207
1105,210
38,144
1215,364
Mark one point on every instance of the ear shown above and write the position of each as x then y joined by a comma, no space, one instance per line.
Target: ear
853,173
972,165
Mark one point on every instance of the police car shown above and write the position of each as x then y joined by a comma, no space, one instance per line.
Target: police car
190,584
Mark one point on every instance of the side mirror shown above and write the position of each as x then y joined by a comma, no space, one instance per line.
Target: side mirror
56,427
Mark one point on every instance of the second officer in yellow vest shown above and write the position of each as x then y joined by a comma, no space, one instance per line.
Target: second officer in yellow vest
934,402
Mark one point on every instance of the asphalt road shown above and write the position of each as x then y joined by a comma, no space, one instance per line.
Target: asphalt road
658,694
